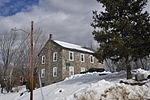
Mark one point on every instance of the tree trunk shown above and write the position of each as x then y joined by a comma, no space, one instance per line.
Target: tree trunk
142,64
129,75
128,69
10,75
136,64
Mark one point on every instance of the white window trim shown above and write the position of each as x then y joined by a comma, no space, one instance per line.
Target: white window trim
43,59
81,54
71,52
91,57
55,55
43,73
55,70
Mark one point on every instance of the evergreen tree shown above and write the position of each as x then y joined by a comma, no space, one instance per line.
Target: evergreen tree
122,31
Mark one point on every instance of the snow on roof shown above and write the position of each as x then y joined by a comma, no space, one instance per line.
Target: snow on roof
72,46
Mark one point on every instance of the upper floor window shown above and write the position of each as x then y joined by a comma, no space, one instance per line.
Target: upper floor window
54,71
42,73
71,56
91,59
55,56
82,58
43,59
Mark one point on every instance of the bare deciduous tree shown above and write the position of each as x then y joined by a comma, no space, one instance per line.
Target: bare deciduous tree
8,48
14,53
23,54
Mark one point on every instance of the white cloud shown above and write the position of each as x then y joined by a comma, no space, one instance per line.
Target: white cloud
59,19
68,20
148,6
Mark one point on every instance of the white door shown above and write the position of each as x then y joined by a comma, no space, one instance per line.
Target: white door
82,69
71,70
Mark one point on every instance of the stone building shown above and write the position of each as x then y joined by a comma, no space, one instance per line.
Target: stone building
58,60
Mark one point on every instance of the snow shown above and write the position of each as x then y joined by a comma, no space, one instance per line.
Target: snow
142,71
72,46
88,86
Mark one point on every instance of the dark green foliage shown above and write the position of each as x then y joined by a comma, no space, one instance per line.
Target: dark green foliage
122,30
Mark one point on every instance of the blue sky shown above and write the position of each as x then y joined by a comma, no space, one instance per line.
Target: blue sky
11,7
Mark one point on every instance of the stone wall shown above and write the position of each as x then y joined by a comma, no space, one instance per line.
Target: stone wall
62,62
48,51
77,63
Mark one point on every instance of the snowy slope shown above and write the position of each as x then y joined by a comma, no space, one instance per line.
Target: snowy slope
90,86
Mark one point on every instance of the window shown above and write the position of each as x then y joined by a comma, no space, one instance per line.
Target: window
71,70
82,69
71,56
55,56
42,73
82,59
91,59
54,71
43,59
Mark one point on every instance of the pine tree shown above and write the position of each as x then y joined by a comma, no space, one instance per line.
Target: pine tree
122,31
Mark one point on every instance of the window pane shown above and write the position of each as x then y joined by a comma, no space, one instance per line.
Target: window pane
55,72
71,56
42,73
82,59
55,56
43,60
91,59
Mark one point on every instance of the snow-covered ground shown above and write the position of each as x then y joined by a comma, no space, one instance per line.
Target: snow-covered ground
89,86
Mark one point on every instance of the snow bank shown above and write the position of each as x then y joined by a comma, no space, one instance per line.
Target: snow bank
104,90
73,77
86,74
88,86
146,73
14,95
91,92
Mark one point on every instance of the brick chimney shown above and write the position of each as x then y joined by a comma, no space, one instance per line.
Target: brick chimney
50,36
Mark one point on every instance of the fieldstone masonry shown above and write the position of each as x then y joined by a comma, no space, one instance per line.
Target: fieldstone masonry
62,62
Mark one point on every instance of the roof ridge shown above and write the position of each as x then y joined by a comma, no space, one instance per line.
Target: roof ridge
72,46
69,43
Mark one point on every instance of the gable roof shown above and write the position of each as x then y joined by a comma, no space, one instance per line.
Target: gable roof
72,46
